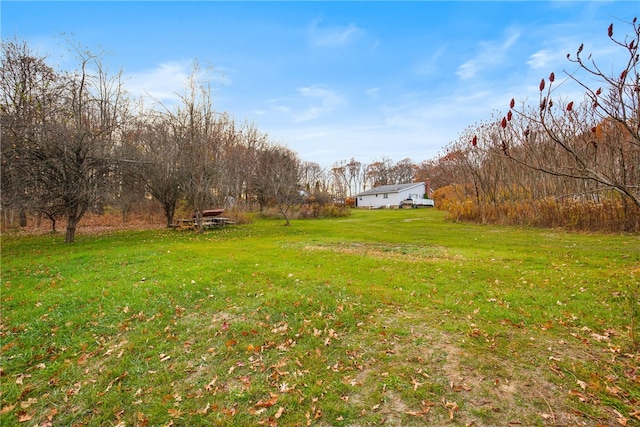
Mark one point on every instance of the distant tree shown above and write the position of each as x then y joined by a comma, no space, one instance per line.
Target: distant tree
158,159
312,178
340,180
380,172
240,147
403,171
277,178
385,172
127,184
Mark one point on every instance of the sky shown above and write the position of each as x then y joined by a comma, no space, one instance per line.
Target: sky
336,80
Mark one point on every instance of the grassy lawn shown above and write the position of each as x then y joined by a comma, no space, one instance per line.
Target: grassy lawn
395,317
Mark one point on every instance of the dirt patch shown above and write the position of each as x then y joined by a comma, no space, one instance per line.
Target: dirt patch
386,251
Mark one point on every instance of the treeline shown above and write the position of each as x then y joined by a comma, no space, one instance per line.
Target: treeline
73,142
559,163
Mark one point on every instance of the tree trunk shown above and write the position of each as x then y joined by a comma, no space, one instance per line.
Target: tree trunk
73,218
286,216
169,212
71,231
52,218
198,218
22,218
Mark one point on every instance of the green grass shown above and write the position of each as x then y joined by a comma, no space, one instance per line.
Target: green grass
394,317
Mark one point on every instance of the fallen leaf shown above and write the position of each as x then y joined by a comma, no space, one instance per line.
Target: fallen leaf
174,412
209,386
452,407
280,412
24,417
7,409
267,403
26,403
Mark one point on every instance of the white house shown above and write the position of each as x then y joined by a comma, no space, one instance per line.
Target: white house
393,195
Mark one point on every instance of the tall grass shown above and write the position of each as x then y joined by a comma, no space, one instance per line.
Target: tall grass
608,215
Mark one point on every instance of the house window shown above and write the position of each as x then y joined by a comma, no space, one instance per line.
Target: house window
386,196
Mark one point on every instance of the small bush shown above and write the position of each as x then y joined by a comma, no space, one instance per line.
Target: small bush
239,216
270,213
335,211
317,210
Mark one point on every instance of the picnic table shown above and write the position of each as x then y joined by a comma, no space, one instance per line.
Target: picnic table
207,223
210,219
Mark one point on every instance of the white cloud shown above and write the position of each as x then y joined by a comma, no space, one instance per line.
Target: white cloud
161,83
167,80
541,59
431,64
374,92
333,36
490,54
313,102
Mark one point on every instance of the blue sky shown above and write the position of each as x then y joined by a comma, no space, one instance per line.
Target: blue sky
336,80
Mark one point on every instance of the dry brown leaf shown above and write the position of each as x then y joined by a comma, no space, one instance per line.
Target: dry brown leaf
267,403
174,412
24,417
26,403
280,412
209,386
7,409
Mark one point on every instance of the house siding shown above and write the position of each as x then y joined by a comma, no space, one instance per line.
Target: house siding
389,196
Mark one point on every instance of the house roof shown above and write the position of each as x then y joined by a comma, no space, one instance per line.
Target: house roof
396,188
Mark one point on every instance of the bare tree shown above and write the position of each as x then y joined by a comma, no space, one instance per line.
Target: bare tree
380,172
277,178
403,171
595,141
340,180
201,134
29,90
158,157
68,146
127,184
78,150
312,178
